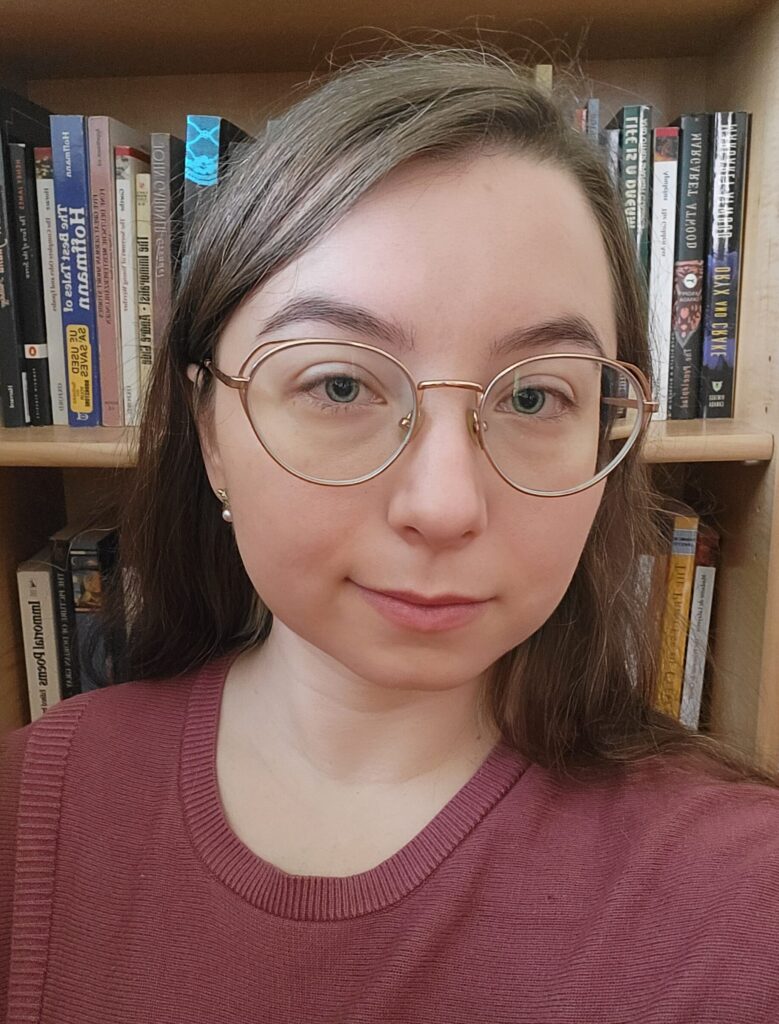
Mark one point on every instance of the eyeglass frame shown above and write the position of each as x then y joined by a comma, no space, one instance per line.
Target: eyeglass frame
243,379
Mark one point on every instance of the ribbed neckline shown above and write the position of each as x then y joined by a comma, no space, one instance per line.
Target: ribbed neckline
318,897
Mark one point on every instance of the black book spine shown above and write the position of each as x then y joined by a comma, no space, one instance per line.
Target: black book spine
29,283
729,143
12,375
65,616
689,267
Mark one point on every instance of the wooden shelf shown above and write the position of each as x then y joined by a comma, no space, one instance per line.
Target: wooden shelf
669,441
41,39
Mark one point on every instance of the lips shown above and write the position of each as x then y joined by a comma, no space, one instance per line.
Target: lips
441,600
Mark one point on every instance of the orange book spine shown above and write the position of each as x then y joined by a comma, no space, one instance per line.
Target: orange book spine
676,617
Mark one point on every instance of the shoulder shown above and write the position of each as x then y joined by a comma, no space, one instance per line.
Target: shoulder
93,737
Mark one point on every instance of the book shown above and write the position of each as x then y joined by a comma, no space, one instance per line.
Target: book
20,121
143,270
92,559
47,238
39,632
689,269
64,607
706,558
681,570
77,285
209,141
635,124
665,159
129,163
29,283
167,199
105,134
729,145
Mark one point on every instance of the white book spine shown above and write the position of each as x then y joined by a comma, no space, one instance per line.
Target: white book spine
127,168
143,255
697,645
36,603
55,342
661,266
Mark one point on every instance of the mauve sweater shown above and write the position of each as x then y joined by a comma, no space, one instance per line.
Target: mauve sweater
125,896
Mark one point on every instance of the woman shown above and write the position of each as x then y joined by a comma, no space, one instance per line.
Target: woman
386,748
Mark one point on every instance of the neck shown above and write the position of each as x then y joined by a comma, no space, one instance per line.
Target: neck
300,709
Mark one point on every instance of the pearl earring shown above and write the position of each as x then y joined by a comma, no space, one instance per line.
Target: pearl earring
227,515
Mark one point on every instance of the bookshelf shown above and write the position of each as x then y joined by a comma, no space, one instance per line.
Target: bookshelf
678,55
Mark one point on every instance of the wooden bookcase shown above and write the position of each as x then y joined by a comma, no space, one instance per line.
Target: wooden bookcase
137,63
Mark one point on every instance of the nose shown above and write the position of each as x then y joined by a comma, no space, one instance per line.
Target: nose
439,492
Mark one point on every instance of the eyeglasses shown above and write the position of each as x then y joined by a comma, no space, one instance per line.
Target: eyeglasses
340,412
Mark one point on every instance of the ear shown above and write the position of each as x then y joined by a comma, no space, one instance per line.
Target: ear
206,435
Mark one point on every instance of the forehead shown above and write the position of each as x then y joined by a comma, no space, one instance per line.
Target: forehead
457,252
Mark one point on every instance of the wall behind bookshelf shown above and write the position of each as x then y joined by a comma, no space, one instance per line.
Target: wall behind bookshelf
737,66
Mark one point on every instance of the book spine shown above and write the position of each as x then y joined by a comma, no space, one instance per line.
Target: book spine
706,557
143,257
77,286
30,286
39,634
101,189
127,163
161,228
644,187
665,165
681,571
201,170
689,270
730,131
65,617
629,170
13,378
47,235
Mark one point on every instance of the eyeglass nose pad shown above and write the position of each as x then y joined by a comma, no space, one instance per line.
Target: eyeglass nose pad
475,427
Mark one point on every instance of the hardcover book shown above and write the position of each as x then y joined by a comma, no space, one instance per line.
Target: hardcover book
681,570
209,142
167,210
47,236
39,632
29,283
635,124
20,121
105,134
689,267
729,144
661,267
77,285
129,163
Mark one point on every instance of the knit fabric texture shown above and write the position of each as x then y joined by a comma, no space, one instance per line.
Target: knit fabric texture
125,896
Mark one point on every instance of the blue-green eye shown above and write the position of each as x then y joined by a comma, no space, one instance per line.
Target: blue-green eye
528,399
342,389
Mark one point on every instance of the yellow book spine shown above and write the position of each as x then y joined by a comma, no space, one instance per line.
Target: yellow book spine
676,616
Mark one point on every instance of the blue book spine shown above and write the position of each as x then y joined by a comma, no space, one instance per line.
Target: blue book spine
70,160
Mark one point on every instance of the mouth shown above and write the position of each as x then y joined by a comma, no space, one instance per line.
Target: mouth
426,614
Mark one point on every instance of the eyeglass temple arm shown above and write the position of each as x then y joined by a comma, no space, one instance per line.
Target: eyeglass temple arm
226,378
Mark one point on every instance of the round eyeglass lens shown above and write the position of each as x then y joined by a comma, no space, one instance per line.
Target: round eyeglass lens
331,413
556,422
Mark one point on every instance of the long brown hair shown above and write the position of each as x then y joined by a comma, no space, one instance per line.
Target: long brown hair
577,696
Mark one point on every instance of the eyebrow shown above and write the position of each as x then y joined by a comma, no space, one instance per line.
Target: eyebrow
573,329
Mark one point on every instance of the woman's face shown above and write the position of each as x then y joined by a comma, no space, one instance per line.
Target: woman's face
455,255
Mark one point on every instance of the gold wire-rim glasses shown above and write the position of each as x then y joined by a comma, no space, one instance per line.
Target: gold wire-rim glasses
476,425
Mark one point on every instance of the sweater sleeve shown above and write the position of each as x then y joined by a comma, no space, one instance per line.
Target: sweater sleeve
12,747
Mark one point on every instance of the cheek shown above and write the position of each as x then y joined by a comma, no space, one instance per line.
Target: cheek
291,534
548,542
